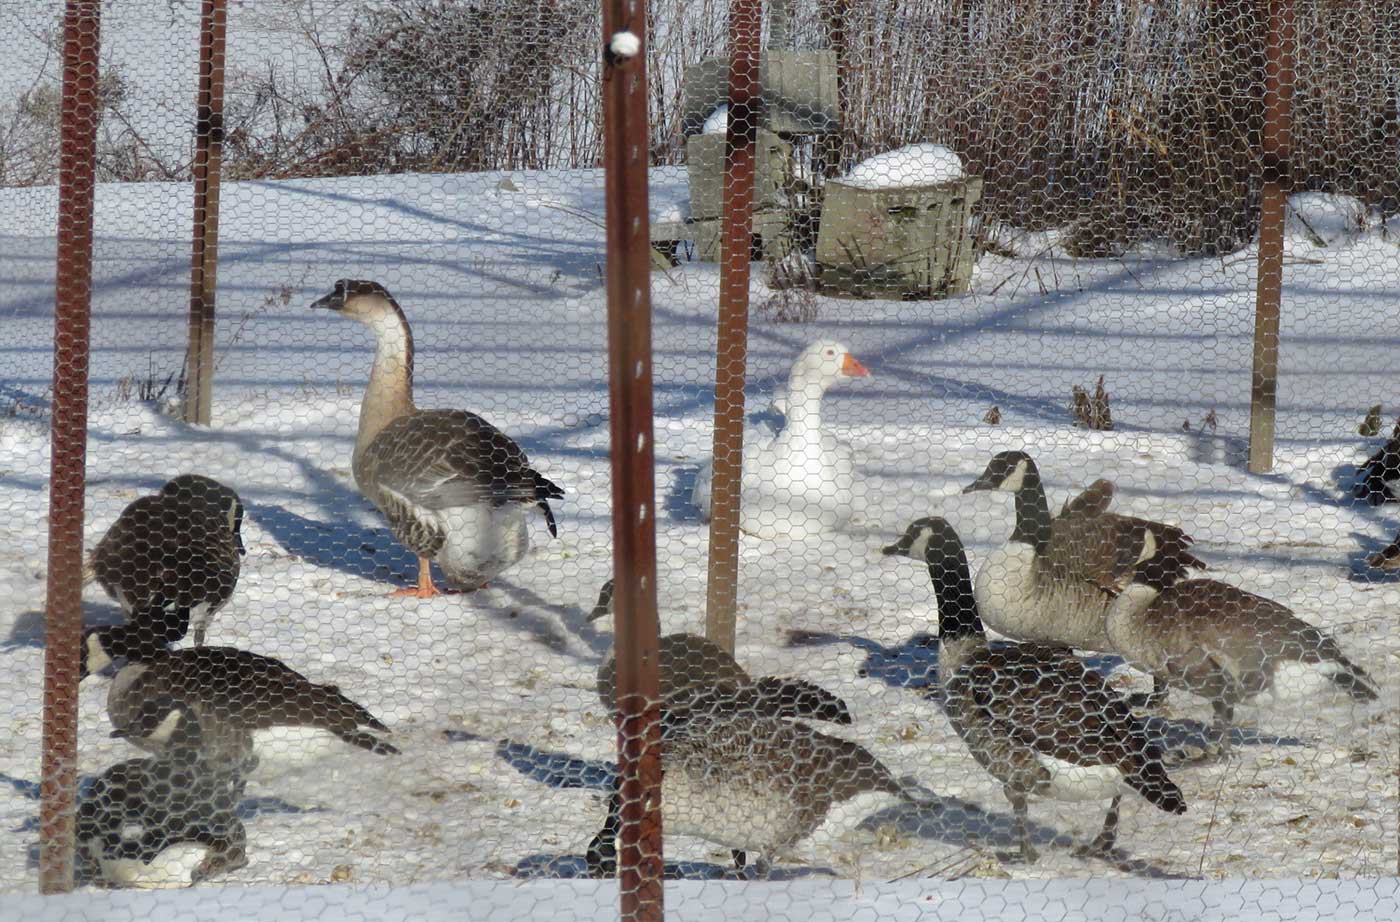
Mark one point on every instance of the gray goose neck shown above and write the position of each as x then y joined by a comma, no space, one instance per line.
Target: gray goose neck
389,394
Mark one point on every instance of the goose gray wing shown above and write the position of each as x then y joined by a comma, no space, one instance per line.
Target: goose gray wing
1225,641
1028,699
1111,551
1095,500
440,459
241,691
1101,550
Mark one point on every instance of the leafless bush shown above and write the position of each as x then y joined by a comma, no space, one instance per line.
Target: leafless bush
30,137
1121,121
425,85
1091,412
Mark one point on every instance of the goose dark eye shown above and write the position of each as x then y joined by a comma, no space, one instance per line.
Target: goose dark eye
830,353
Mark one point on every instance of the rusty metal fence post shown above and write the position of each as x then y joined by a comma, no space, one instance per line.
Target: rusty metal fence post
63,613
626,159
1276,146
731,347
209,139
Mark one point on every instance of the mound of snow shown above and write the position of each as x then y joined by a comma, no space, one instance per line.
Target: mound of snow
718,122
915,165
1322,218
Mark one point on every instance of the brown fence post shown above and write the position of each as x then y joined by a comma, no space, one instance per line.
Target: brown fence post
731,348
63,612
626,159
209,142
1276,151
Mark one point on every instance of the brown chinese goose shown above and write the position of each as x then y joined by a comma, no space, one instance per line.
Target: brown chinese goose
453,487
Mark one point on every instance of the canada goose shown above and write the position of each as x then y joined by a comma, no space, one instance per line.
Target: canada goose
162,822
750,783
1230,646
1032,714
799,482
453,487
1378,480
1055,579
171,558
253,711
692,666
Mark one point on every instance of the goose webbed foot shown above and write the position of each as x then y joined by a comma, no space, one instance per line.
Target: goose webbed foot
426,588
1103,844
1027,854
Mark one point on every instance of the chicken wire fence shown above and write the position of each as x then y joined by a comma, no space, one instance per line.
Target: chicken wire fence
912,256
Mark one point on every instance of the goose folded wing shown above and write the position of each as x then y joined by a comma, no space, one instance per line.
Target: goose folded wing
1045,699
1101,550
454,458
1095,500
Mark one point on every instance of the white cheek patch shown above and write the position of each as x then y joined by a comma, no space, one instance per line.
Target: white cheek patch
166,728
919,549
97,658
1016,479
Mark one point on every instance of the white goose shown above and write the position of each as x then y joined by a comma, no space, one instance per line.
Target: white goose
453,487
800,481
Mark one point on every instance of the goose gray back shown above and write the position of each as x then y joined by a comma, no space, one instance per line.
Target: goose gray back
1230,646
453,488
1032,715
693,667
756,783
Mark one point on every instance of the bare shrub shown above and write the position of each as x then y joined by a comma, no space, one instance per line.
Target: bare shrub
1091,412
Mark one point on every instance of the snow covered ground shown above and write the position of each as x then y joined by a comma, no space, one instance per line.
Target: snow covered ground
818,900
506,750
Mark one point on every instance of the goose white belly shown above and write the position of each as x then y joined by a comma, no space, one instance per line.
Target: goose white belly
482,541
1293,681
1013,602
739,816
282,750
171,869
1075,783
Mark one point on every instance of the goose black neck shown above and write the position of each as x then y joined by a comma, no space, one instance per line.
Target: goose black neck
952,584
1032,512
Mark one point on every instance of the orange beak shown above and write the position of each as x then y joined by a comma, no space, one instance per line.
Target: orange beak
852,368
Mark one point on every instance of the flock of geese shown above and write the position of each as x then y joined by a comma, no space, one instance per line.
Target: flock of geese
743,766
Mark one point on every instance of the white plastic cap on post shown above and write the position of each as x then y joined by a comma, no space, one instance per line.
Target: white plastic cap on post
625,45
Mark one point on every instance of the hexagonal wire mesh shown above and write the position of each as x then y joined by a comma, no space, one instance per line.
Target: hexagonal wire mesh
996,248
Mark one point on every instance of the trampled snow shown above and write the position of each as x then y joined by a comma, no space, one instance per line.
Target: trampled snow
506,749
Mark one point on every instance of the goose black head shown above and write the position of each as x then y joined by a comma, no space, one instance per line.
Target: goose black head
1008,470
163,723
935,542
604,606
354,297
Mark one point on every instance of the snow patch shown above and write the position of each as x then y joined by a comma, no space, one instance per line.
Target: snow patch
915,165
